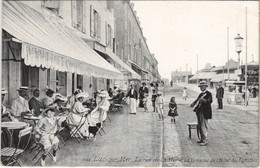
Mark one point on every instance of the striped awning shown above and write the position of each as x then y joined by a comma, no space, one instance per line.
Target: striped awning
49,44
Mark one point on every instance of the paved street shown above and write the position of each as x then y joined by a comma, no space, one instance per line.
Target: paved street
233,136
142,140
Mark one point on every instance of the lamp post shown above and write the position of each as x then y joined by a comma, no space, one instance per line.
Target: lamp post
238,45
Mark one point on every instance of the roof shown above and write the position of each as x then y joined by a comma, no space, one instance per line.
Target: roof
203,75
50,44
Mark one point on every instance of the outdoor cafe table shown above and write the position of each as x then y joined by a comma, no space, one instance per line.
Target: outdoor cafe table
33,118
13,126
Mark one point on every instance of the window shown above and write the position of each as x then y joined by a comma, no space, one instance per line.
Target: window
79,15
95,24
109,36
52,5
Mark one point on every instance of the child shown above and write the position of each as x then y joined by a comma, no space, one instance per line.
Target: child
159,105
184,94
46,129
154,96
145,102
172,109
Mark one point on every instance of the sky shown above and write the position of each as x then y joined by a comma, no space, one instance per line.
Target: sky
179,31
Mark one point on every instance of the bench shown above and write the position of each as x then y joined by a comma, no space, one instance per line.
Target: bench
193,126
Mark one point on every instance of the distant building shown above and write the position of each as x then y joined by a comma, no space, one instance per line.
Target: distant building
180,76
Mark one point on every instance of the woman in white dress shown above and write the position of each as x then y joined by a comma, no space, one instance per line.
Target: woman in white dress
98,115
76,116
184,93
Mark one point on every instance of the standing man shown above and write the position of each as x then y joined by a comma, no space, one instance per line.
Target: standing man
202,107
35,103
20,104
219,96
142,92
132,94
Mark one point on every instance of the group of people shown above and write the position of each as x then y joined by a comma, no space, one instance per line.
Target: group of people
55,111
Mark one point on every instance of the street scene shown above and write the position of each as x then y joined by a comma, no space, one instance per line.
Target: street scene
130,83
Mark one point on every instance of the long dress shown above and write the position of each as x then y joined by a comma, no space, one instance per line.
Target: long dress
132,94
75,118
99,114
142,92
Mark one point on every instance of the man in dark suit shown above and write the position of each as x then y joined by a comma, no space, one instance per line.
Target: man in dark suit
35,103
203,111
219,96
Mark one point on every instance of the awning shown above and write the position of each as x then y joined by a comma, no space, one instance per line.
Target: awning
124,65
50,44
221,77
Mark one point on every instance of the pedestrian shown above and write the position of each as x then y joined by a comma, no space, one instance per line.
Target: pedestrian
184,93
219,96
202,107
145,100
133,96
142,91
172,110
154,96
159,104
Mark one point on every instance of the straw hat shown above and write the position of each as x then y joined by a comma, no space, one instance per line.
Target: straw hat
103,93
55,111
25,88
4,91
203,83
82,94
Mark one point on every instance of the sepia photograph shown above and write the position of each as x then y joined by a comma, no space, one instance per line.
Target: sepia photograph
129,83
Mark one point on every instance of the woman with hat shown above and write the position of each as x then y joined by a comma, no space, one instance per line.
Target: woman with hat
46,129
99,114
77,114
143,91
133,96
49,101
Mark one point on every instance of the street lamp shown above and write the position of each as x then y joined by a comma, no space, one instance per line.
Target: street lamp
238,44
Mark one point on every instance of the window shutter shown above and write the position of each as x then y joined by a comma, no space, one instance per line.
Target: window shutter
106,34
84,20
99,28
74,13
112,37
91,22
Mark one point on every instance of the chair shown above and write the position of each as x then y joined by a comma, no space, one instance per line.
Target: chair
74,129
38,146
193,126
11,155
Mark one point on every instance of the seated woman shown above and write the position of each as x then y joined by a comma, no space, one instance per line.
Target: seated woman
99,114
46,129
78,111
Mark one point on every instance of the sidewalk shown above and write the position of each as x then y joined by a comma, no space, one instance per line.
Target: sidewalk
251,108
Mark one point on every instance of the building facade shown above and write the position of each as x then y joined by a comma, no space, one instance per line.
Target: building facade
130,43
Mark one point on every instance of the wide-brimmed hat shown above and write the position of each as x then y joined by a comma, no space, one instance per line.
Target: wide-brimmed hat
25,88
44,112
203,83
4,91
103,93
82,94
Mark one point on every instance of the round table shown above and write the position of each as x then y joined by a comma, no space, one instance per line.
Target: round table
34,118
13,126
